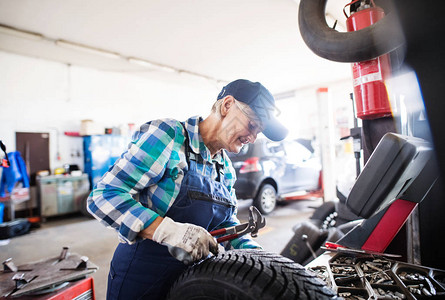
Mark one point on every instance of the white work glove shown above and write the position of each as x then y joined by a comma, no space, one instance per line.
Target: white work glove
186,242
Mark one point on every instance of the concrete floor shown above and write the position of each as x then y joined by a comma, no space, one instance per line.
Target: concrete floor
88,237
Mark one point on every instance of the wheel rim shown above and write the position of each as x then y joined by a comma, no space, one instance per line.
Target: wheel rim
268,200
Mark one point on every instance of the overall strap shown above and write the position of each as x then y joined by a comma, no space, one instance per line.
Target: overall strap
220,168
187,148
190,155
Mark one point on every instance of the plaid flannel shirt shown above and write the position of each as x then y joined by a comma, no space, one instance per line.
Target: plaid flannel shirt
155,151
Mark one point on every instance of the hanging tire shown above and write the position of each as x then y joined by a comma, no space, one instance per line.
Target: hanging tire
266,199
382,37
249,275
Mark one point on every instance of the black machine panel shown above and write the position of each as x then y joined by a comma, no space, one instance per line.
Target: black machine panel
392,168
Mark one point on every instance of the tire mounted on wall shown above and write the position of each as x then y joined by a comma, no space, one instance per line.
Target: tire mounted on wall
249,274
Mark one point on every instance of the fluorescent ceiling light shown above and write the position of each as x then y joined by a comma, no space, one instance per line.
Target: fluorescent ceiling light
97,51
20,33
87,49
195,75
147,64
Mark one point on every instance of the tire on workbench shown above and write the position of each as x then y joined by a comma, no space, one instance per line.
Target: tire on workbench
249,274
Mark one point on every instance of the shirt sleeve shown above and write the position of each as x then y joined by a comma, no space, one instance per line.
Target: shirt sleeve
112,200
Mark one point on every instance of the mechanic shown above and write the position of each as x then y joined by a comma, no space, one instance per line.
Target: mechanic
173,185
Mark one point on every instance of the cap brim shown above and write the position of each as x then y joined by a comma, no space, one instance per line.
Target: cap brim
275,131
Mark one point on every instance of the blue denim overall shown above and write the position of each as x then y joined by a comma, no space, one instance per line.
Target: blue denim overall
146,270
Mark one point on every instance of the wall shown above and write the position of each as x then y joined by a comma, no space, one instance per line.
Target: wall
37,95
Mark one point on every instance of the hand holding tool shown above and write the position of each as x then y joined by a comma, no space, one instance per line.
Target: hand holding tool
255,223
186,242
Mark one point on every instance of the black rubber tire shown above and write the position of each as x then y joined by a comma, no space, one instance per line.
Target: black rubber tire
345,215
323,211
249,275
263,200
382,37
296,249
325,216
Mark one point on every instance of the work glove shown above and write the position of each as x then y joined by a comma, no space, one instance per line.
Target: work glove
186,242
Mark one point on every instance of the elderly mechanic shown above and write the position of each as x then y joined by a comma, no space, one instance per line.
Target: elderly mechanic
173,185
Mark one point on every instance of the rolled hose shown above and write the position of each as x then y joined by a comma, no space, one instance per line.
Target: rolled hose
380,38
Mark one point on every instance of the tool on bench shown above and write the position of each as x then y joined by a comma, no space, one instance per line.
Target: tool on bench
43,276
255,223
339,248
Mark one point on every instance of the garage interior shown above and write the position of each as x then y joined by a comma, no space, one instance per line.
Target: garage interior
78,78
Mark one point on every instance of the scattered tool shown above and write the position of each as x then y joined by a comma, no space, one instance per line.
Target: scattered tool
339,248
44,275
255,223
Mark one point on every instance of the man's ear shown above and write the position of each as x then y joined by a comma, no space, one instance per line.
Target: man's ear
227,103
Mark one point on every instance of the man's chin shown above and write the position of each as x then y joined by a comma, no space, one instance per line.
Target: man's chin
235,149
238,148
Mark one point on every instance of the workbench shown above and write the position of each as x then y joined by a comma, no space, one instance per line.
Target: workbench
49,278
61,194
17,196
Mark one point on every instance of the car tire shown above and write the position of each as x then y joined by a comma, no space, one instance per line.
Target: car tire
249,274
266,199
325,216
298,250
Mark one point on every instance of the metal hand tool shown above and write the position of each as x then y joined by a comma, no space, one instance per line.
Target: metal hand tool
339,248
304,238
255,223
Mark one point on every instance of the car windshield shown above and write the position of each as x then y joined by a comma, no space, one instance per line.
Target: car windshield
296,152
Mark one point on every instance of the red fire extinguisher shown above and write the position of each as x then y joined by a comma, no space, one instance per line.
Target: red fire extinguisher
371,96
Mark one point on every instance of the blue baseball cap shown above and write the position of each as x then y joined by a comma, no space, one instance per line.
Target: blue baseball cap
261,101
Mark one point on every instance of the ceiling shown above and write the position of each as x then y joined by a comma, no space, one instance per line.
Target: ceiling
220,40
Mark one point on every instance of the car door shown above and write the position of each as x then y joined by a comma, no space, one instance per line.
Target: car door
302,167
273,161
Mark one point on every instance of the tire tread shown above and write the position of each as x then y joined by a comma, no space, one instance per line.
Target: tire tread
250,274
